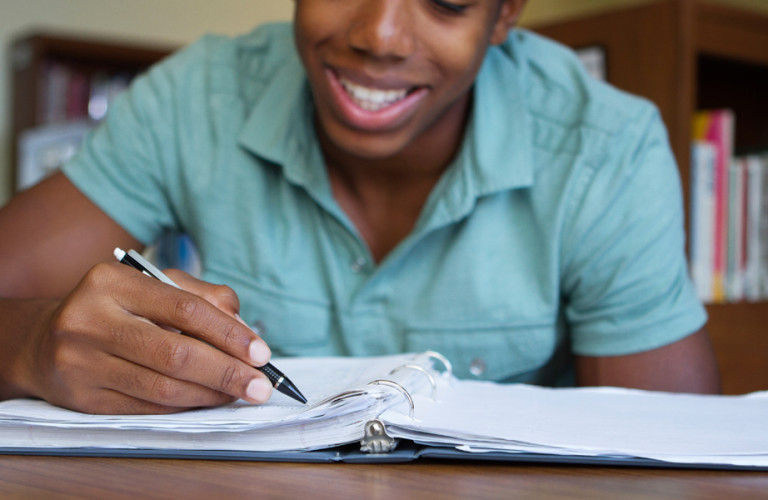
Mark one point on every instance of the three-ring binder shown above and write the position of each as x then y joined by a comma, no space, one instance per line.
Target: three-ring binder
376,440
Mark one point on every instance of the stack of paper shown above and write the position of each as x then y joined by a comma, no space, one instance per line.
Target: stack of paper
462,417
341,400
609,422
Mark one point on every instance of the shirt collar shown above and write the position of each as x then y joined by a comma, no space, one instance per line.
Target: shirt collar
499,141
280,130
496,155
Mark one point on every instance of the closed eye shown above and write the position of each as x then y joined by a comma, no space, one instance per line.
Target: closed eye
449,7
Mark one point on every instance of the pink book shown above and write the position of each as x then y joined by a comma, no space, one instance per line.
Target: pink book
716,127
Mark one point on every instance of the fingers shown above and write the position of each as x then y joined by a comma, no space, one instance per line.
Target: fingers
221,296
138,383
194,315
174,357
85,378
109,353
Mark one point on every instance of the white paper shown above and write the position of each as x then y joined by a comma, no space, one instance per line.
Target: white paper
591,421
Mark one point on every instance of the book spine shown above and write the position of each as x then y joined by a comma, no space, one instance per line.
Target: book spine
735,232
716,127
702,218
763,230
753,241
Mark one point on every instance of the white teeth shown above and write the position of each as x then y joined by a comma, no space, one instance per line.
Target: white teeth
372,99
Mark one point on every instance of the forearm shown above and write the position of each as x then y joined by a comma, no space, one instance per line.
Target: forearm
23,320
688,365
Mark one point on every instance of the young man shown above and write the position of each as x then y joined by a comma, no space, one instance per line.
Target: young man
388,175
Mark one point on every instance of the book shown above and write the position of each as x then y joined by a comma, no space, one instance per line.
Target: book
402,407
717,128
702,218
763,230
756,216
44,149
736,230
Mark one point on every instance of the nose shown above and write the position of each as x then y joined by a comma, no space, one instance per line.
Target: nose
383,29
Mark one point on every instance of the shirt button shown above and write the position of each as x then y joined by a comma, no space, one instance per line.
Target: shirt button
477,367
358,265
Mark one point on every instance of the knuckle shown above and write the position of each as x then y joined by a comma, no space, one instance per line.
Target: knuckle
229,379
185,308
99,275
174,355
230,335
223,297
163,389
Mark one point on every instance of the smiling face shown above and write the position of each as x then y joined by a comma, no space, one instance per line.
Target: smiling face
392,76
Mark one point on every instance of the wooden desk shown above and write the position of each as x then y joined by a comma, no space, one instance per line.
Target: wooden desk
56,477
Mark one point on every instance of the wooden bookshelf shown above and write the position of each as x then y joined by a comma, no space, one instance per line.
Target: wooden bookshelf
687,55
33,54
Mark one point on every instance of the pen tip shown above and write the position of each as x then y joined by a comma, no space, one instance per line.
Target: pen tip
292,391
119,253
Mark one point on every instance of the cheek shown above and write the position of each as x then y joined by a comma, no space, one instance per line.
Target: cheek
311,25
459,58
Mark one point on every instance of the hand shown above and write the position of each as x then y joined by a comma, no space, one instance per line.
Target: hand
106,347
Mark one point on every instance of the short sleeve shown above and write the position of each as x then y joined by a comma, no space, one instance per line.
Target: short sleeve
625,277
126,163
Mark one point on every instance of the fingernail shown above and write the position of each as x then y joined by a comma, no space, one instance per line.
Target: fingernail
259,390
259,352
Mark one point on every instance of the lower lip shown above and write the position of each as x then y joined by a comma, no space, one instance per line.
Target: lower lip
382,119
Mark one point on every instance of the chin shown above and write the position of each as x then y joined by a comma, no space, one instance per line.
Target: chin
366,146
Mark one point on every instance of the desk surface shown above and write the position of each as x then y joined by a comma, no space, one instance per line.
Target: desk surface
116,478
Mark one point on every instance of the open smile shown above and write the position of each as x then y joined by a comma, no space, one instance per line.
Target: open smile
372,99
375,107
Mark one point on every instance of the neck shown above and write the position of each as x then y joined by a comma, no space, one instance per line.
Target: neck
384,197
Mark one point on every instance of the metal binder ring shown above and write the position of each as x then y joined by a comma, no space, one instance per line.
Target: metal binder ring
399,388
422,370
442,359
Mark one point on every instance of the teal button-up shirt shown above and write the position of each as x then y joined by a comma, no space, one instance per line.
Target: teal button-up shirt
557,229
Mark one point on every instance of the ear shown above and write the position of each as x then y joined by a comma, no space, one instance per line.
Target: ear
509,13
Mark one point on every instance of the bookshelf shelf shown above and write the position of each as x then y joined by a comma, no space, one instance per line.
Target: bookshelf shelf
39,58
686,55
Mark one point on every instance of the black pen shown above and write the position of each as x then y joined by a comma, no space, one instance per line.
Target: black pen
279,381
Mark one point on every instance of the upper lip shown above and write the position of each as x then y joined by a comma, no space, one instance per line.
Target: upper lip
364,79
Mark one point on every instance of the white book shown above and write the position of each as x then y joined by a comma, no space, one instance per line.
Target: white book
756,167
763,250
44,150
734,284
370,403
702,219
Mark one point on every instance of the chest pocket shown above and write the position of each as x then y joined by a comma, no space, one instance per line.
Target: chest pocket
489,352
290,326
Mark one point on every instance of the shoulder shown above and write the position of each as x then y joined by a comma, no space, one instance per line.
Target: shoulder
227,64
566,103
